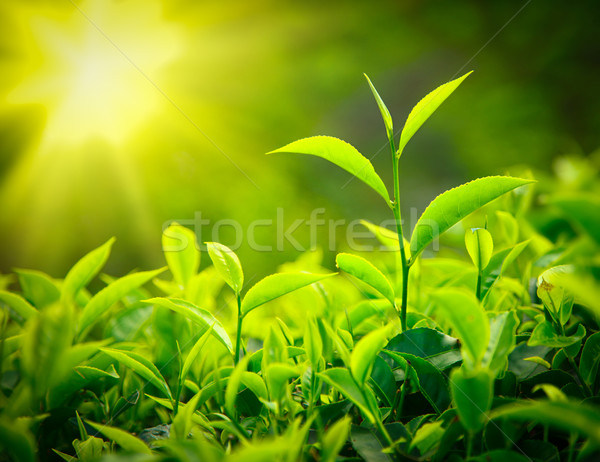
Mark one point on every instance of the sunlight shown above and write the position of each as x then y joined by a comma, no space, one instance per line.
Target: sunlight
93,71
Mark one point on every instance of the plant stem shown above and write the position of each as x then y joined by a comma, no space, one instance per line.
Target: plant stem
469,445
478,291
398,218
238,338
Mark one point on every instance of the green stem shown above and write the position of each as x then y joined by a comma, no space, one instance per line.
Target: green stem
478,291
398,218
469,445
238,338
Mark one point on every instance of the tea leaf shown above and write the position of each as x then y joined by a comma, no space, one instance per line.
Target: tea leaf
568,416
335,438
503,327
181,253
313,343
424,108
233,385
385,114
38,288
545,334
363,355
227,264
196,314
472,394
340,379
80,275
480,245
182,423
366,272
455,204
111,294
341,154
18,304
275,286
141,366
127,441
468,320
590,358
193,354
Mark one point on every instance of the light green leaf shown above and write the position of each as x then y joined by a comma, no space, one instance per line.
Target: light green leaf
385,114
127,441
364,353
277,376
18,304
227,264
255,383
80,275
427,436
480,246
366,272
340,379
181,252
545,334
590,358
141,366
313,343
568,416
196,314
341,154
38,288
552,392
111,294
182,423
233,386
193,354
468,320
275,286
503,327
425,108
455,204
538,360
335,438
472,394
385,236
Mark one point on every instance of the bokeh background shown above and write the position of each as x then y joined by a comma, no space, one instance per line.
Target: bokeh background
118,116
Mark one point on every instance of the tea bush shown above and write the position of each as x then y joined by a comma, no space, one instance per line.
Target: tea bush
486,351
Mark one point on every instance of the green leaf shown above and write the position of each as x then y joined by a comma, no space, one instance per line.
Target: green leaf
227,264
367,445
366,272
583,209
313,343
427,436
590,358
545,334
196,314
497,266
472,394
233,386
480,246
17,440
193,354
181,252
385,114
468,320
335,438
568,416
111,294
275,286
364,353
503,327
385,236
425,108
141,366
127,441
182,423
340,379
455,204
18,304
80,275
277,376
341,154
256,384
38,288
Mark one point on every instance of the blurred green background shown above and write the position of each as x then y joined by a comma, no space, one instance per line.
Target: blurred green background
118,116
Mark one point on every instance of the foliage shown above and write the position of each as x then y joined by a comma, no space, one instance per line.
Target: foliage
437,359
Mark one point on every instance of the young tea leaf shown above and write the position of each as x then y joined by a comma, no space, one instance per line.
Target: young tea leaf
480,246
227,264
366,272
335,438
385,114
455,204
18,304
590,358
472,394
363,355
126,440
84,271
181,253
341,154
111,294
424,108
38,288
340,379
275,286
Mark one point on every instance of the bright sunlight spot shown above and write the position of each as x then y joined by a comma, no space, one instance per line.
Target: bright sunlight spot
95,75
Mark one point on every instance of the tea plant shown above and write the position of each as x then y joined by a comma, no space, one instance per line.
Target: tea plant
488,353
